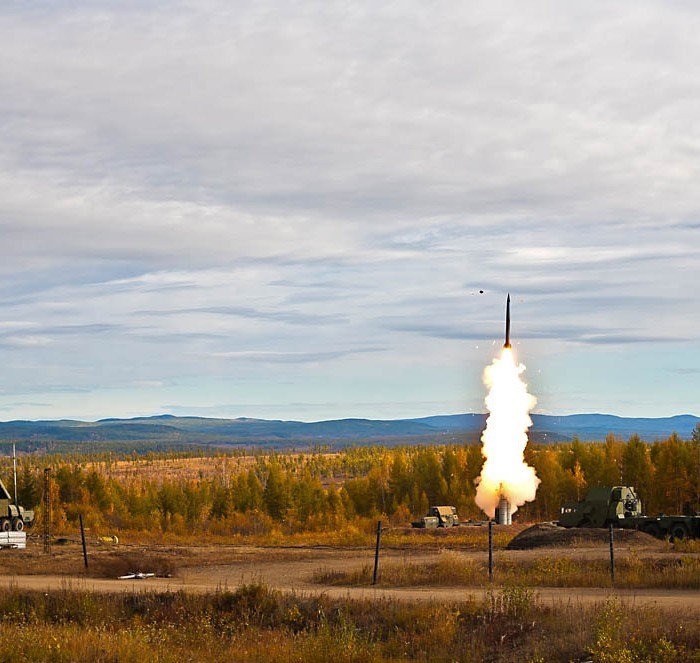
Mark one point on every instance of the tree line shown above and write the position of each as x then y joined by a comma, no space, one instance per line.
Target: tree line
316,491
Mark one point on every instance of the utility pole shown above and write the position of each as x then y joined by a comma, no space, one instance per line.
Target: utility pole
47,510
14,468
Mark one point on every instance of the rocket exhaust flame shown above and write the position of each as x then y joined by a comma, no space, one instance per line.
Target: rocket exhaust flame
506,481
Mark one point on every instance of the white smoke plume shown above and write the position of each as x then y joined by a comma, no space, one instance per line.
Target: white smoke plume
505,436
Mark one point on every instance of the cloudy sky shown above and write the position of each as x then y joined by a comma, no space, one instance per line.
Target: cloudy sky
290,209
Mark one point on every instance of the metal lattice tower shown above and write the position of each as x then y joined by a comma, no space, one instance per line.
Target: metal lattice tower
47,510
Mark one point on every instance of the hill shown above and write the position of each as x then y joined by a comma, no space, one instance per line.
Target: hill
169,430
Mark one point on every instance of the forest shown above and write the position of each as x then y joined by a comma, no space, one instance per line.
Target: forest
224,494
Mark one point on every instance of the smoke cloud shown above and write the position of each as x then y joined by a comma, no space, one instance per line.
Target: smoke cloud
505,436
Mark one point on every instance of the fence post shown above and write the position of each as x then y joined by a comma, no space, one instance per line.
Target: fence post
376,551
47,510
612,554
490,551
82,536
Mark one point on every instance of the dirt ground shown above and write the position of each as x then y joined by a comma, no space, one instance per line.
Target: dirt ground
211,567
550,535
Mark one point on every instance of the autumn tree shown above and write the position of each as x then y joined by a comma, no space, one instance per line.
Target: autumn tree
276,496
672,485
637,469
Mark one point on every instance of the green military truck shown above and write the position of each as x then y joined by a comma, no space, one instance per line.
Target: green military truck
13,518
438,516
619,506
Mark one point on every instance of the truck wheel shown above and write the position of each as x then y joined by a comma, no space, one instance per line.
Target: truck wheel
678,532
17,524
5,525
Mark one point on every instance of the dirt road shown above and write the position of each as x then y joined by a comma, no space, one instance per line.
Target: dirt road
660,599
293,572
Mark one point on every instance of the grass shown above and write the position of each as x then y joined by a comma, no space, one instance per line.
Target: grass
452,569
687,545
359,533
466,537
255,623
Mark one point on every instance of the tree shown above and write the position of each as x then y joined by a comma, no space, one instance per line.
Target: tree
98,490
637,469
276,493
427,474
70,484
594,466
672,461
549,493
578,479
307,495
255,491
399,480
221,504
362,495
28,488
612,473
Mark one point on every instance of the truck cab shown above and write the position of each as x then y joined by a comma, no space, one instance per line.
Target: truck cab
13,517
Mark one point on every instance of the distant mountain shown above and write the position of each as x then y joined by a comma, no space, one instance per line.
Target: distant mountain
170,430
597,426
583,426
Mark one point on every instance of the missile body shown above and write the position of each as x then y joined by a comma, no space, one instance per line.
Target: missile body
507,343
504,515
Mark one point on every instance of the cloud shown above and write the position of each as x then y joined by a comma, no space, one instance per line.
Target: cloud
289,357
28,341
286,316
148,384
181,179
622,339
24,404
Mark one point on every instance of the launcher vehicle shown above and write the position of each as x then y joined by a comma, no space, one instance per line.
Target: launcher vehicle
13,517
620,507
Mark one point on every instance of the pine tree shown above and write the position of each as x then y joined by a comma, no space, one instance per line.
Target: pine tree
28,488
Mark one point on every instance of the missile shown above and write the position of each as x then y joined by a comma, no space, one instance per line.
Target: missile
504,514
507,343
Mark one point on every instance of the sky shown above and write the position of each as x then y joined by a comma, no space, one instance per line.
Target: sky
315,210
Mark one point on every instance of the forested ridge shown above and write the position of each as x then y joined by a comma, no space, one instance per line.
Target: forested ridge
316,491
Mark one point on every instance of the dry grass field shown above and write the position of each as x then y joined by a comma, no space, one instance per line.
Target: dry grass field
450,559
168,469
433,602
258,585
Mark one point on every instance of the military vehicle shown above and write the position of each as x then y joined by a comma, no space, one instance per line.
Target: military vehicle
438,516
619,506
12,516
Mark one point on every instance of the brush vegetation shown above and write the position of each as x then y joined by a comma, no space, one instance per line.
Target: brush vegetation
452,569
255,623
